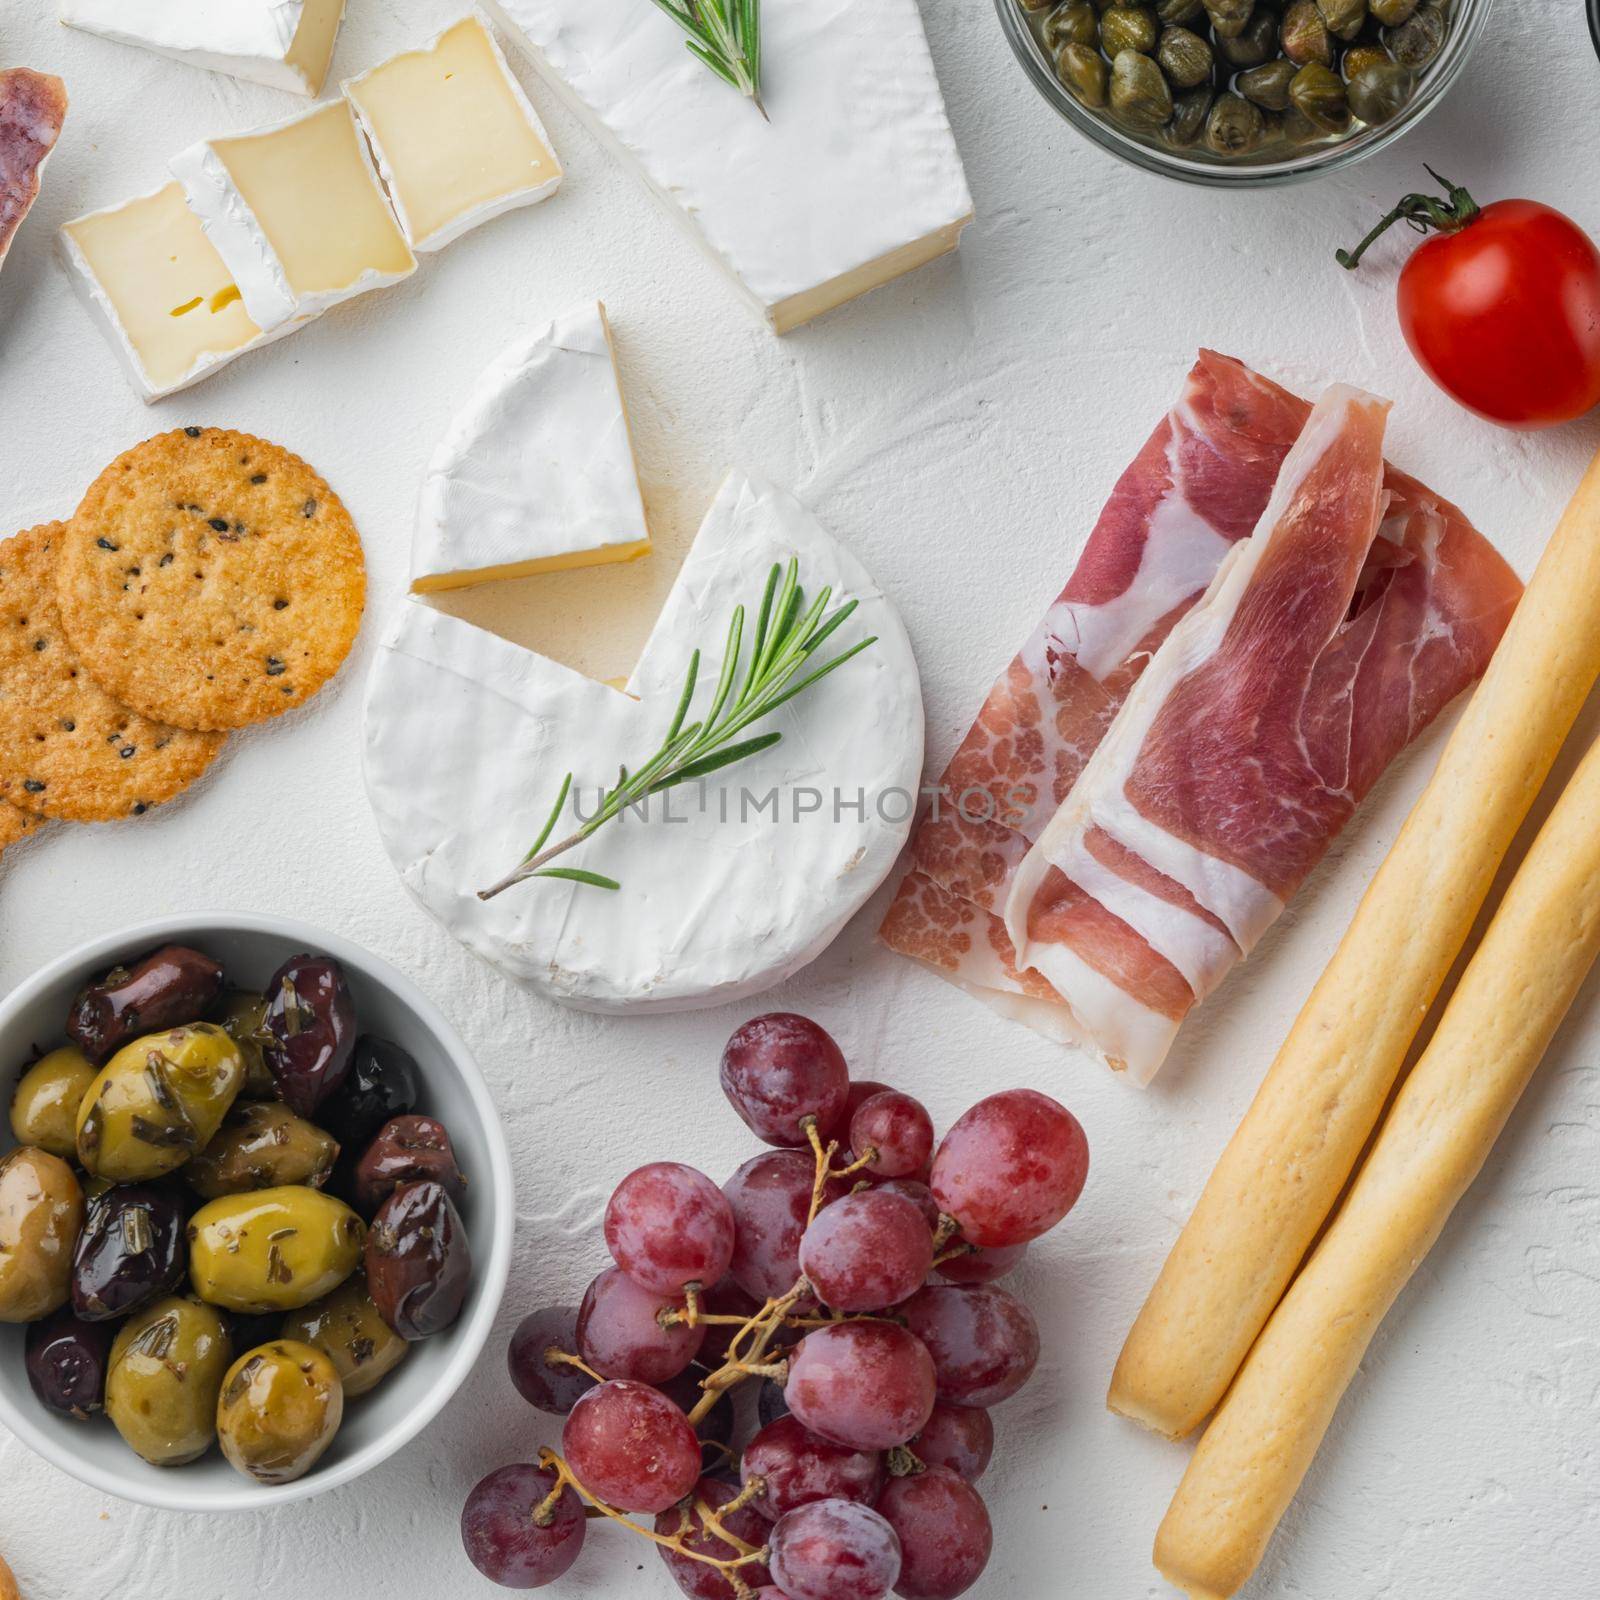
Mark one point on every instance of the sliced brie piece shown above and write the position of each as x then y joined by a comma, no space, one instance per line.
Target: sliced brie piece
163,297
297,214
457,140
536,473
855,179
727,887
285,44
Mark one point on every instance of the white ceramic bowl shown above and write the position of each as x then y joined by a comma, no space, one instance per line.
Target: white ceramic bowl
250,949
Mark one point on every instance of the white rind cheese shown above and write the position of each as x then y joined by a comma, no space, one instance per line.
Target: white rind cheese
468,737
855,180
536,473
285,44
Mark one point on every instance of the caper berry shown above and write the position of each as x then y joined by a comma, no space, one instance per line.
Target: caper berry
1126,27
1234,127
1268,85
1362,55
1344,18
1083,70
1304,35
1320,98
1189,108
1258,42
1380,90
1073,23
1229,17
1185,58
1417,40
1391,13
1139,92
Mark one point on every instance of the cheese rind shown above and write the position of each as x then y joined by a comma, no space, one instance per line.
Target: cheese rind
536,472
297,213
285,44
726,890
456,140
855,179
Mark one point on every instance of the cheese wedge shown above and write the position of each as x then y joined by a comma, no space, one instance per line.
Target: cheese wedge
727,887
536,473
456,139
854,180
285,44
297,214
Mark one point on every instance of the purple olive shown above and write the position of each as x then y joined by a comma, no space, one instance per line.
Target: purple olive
381,1084
311,1028
66,1361
132,1250
165,989
419,1261
407,1150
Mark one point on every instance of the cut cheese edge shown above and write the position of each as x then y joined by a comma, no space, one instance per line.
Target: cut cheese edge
456,140
726,890
854,181
536,473
285,44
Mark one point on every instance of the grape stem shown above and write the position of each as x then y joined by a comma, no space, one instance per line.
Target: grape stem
947,1230
555,1356
955,1252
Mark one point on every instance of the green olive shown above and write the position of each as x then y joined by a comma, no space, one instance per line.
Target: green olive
1258,42
1319,96
44,1108
1179,13
1126,27
349,1330
1362,55
1380,90
1084,72
1189,108
1073,23
1344,18
262,1144
1304,35
1228,17
244,1020
281,1405
1268,85
166,1372
273,1250
41,1215
1139,92
157,1102
1391,13
1234,127
1417,40
1185,58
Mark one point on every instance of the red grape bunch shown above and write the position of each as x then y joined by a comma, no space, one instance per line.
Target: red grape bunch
850,1269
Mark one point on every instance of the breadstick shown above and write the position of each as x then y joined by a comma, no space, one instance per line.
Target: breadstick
1299,1142
1511,999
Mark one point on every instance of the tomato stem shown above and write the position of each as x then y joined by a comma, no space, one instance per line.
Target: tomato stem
1422,212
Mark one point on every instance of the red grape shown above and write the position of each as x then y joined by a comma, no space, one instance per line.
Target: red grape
982,1266
780,1068
860,1089
695,1578
798,1467
770,1403
716,1426
551,1386
771,1201
620,1334
984,1342
867,1251
503,1541
725,1299
944,1532
898,1128
834,1550
918,1193
1011,1168
869,1385
958,1437
668,1226
628,1445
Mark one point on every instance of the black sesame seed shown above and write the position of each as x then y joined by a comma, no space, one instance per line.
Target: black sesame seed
166,560
139,808
258,477
309,508
106,544
275,668
40,644
126,751
194,433
33,786
280,605
68,725
220,524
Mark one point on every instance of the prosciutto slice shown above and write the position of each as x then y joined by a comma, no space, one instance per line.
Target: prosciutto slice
32,106
1138,904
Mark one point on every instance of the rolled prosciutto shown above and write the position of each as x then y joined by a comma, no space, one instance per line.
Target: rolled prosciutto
32,106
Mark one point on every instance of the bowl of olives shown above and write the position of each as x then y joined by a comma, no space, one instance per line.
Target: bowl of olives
255,1212
1242,93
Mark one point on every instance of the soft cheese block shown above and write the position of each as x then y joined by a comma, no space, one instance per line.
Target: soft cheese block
536,472
855,179
455,137
728,887
297,213
167,304
285,44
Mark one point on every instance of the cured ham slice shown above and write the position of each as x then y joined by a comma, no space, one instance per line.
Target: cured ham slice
32,107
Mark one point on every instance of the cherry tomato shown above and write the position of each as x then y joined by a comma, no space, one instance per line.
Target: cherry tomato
1501,307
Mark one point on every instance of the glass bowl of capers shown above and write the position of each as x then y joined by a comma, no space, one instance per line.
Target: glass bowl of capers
1242,93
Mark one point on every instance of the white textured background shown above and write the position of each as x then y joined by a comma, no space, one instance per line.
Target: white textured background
960,429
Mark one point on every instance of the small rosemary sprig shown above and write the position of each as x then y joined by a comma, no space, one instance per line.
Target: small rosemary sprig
726,35
787,636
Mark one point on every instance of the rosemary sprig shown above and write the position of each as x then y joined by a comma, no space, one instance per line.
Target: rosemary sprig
788,634
726,35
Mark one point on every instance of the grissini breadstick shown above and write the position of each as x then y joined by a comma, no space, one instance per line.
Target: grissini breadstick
1511,999
1299,1142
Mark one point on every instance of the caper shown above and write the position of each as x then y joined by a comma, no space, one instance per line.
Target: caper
1179,13
1139,92
1084,72
1185,58
1229,17
1073,23
1344,18
1189,110
1418,40
1258,42
1362,55
1034,5
1233,126
1304,35
1320,98
1128,28
1391,13
1293,126
1268,84
1380,90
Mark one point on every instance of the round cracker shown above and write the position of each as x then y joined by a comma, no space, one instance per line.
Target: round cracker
67,749
15,826
211,579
